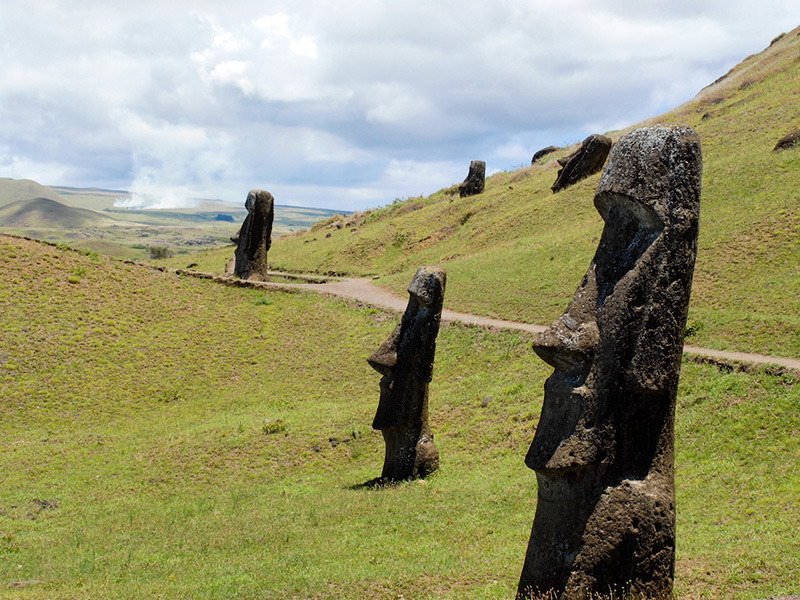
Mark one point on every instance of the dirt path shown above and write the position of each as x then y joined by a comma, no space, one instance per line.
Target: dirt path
363,290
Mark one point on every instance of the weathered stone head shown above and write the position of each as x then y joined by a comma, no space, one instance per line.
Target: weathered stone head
603,450
254,238
475,181
586,160
405,360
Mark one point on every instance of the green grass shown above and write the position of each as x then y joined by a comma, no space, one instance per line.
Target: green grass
166,436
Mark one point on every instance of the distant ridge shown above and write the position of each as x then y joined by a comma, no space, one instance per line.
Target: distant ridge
13,190
68,188
45,212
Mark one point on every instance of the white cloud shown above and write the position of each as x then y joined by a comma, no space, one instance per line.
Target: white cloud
390,103
20,167
173,163
356,101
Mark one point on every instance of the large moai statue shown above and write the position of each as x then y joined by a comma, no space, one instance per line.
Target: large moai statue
603,449
475,181
405,360
254,238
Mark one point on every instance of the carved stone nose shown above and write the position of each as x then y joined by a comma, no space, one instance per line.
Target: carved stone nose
568,345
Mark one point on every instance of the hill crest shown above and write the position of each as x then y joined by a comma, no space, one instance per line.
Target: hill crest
14,190
46,212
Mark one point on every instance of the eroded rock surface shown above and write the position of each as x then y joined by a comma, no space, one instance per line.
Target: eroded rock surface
405,360
603,450
254,238
586,160
475,181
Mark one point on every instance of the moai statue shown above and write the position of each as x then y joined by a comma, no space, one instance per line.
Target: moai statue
254,238
405,360
586,160
603,450
475,181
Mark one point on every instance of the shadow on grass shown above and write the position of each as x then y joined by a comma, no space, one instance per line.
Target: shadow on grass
378,483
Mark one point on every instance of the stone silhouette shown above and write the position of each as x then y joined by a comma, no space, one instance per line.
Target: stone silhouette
405,360
788,141
586,160
254,238
476,179
603,450
540,154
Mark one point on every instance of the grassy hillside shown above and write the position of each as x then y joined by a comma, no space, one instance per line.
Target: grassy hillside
45,213
170,437
14,190
518,251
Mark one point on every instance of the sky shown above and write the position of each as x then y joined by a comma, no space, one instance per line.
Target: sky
346,105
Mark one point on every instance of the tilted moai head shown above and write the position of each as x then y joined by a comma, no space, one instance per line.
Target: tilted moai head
475,181
405,360
254,238
585,161
603,449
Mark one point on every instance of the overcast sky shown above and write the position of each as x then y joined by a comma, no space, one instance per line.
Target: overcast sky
344,104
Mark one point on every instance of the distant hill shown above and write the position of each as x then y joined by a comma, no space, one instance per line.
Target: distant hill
47,213
204,211
13,190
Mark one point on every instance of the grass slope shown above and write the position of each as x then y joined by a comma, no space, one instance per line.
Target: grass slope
47,213
169,437
517,251
14,190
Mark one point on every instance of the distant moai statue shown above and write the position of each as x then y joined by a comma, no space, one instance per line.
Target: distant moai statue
540,154
603,450
405,360
475,181
586,160
254,238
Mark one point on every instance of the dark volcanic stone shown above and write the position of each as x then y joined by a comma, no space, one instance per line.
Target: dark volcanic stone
586,160
476,179
405,360
603,449
254,238
789,141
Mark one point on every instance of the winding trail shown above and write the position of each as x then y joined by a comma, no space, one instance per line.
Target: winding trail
363,290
